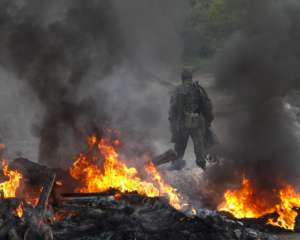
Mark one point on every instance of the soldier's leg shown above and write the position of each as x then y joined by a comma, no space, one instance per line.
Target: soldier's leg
181,143
199,149
180,146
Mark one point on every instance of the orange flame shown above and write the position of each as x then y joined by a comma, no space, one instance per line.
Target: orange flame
114,174
32,195
9,188
59,216
247,202
165,189
20,210
2,146
286,208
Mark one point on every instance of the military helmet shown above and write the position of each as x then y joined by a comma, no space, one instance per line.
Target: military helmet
187,73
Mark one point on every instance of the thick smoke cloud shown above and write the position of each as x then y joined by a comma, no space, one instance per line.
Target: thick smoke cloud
53,58
91,64
260,66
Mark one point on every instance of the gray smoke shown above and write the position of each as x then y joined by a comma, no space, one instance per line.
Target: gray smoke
140,87
91,64
260,66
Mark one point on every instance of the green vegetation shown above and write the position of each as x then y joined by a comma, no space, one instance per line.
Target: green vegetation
211,22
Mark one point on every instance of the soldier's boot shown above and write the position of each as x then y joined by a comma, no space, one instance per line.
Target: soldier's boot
200,159
201,164
180,147
177,165
199,150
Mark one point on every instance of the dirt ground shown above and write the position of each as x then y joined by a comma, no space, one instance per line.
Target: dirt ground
295,236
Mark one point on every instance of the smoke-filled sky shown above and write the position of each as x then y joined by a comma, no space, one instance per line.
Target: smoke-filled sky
69,68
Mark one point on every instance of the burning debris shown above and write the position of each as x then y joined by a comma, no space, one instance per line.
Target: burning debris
261,75
115,174
8,188
110,215
249,202
108,200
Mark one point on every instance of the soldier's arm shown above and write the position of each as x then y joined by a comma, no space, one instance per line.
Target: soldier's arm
209,110
208,106
173,108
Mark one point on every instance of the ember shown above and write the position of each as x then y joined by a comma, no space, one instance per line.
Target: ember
247,202
31,196
61,215
112,173
20,210
2,146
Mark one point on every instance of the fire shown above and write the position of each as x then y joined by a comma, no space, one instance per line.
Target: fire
20,210
9,187
113,173
2,146
165,189
61,215
247,202
243,202
32,195
286,208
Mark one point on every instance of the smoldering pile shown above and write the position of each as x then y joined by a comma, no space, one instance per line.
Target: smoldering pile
108,215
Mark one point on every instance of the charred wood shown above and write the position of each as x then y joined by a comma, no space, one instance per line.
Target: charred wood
168,156
38,227
36,174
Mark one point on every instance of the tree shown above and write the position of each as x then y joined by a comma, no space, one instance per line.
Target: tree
210,23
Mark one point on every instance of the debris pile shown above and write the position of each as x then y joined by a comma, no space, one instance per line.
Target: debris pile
101,197
113,215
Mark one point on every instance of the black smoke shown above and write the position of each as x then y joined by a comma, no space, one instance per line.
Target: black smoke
93,64
53,58
260,66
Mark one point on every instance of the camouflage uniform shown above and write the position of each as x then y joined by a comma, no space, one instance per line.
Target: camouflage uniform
190,115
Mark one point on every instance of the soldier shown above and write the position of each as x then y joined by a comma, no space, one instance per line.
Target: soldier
190,115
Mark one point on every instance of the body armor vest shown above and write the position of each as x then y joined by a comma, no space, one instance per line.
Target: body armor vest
191,98
192,103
